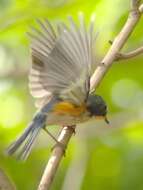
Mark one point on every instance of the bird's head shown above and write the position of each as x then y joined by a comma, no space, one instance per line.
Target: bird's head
97,107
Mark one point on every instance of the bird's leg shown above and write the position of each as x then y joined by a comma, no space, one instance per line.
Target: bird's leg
50,134
57,142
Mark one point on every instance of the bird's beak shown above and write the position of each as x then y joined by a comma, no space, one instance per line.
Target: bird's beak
106,120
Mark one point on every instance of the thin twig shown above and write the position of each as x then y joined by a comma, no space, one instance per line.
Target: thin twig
98,75
115,48
134,53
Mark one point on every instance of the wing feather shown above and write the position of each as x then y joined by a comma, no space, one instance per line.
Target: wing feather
61,61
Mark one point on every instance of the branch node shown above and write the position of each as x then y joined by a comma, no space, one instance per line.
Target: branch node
119,56
102,64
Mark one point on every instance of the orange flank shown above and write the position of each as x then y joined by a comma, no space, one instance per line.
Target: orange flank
69,108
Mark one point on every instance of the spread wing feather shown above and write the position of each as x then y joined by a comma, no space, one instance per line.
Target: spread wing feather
61,61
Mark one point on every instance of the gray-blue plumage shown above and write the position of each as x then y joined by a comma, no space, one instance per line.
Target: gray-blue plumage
28,137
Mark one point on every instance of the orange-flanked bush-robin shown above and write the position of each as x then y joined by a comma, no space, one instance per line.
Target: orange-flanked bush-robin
62,64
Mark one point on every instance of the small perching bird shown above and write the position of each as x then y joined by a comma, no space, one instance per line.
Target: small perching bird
62,64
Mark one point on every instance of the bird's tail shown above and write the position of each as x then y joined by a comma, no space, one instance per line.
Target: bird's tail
27,139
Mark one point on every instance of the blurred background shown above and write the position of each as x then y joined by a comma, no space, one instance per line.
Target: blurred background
99,157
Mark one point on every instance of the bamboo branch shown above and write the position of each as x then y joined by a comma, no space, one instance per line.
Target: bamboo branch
98,75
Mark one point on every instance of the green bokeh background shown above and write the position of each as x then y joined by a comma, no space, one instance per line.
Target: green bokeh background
98,157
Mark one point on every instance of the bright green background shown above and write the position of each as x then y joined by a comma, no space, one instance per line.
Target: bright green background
98,157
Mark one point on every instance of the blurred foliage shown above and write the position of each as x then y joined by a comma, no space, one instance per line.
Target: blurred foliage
98,157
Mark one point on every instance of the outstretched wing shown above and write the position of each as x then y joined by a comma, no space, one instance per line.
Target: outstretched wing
61,61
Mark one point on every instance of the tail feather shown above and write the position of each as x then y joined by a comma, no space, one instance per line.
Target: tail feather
26,149
18,142
27,139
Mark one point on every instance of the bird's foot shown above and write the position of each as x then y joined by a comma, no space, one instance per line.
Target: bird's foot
72,128
58,144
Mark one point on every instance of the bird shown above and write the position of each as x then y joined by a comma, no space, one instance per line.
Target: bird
62,62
